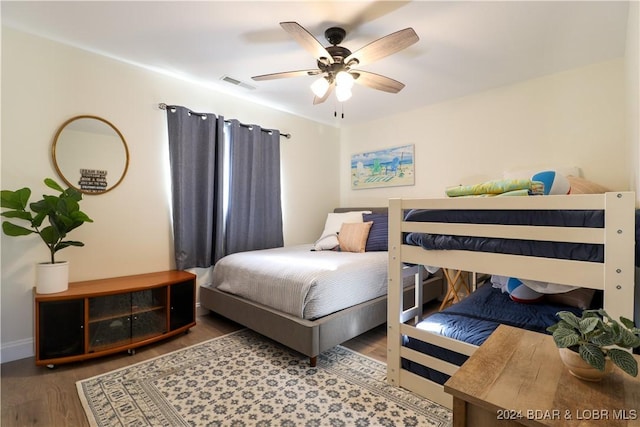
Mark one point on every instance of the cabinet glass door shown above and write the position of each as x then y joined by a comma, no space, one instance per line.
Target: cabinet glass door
119,320
149,311
109,321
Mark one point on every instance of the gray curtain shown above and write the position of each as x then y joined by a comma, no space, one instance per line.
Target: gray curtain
196,151
254,215
226,194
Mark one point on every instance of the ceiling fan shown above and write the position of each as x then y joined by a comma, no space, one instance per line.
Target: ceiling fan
336,64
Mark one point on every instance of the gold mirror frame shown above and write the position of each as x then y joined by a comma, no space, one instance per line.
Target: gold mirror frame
91,169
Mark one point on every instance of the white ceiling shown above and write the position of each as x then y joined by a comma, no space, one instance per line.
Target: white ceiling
464,47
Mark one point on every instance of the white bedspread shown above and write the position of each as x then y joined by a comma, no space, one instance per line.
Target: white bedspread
304,283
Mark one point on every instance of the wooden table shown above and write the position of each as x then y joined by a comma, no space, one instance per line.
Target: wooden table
517,378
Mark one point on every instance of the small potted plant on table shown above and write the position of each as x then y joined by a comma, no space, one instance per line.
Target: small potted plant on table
63,214
591,344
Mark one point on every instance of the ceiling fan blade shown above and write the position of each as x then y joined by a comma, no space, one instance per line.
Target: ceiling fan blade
384,46
307,41
376,81
319,100
286,74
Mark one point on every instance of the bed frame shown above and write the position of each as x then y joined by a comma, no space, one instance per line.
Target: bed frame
312,337
615,276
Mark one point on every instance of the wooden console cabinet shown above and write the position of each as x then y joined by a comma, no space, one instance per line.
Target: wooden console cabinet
99,317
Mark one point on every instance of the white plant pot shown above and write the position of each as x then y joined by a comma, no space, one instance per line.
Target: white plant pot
52,278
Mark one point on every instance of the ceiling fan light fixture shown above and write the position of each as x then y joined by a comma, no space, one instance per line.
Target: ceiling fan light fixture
343,93
320,87
344,79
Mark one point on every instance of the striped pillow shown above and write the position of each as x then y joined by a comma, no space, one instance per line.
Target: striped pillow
378,239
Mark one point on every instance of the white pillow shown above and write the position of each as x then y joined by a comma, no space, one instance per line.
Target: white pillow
335,220
329,237
500,282
547,288
326,243
527,173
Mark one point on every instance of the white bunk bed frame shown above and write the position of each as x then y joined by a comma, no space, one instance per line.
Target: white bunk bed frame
615,276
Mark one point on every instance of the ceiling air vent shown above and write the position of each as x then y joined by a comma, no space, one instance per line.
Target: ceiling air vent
236,82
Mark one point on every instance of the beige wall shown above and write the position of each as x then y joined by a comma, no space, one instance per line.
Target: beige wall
44,84
632,61
574,118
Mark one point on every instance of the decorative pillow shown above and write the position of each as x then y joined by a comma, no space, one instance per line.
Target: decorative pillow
326,243
580,298
378,239
547,288
353,236
519,292
529,171
329,238
499,282
582,186
524,290
554,182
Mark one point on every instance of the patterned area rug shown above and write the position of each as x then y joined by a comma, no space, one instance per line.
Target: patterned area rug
244,379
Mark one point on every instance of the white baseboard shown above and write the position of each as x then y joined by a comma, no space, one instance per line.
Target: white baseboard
17,350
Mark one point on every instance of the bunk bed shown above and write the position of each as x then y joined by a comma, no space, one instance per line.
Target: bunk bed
417,227
310,331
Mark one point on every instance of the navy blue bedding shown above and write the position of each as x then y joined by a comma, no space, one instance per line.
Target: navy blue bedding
559,250
473,319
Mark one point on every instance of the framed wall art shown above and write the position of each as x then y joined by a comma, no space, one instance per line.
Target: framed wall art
389,167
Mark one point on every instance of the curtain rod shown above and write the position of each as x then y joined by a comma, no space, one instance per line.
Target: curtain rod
164,106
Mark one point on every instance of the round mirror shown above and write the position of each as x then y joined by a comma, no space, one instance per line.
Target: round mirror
90,154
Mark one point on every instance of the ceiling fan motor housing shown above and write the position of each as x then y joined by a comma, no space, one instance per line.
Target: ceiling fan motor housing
335,35
338,53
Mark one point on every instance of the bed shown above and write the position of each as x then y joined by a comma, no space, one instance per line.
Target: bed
310,323
601,257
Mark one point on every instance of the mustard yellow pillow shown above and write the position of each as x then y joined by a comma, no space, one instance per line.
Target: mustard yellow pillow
583,186
353,236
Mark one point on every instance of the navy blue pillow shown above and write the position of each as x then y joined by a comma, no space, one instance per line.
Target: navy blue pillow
378,239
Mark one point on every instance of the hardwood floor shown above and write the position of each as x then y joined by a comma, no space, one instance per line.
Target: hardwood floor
38,396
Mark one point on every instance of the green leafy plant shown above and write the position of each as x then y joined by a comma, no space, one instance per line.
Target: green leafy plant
62,212
596,336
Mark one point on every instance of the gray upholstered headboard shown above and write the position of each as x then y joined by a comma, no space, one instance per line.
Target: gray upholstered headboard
382,210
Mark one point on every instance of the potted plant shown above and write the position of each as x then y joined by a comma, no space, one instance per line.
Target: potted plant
63,214
596,340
